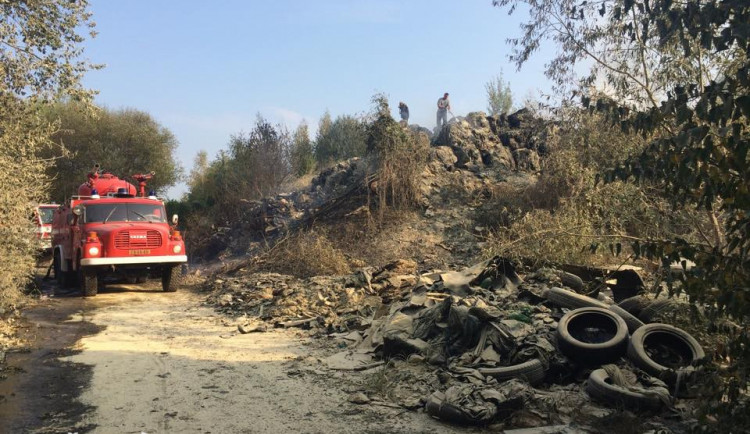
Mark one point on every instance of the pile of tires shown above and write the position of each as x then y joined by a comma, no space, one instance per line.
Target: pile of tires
593,334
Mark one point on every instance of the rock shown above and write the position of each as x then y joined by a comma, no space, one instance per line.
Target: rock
225,299
358,398
402,266
250,328
526,159
444,155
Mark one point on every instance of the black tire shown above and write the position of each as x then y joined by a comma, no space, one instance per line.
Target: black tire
57,267
532,371
634,305
572,300
576,338
632,322
170,278
571,280
600,387
657,309
677,342
64,278
88,281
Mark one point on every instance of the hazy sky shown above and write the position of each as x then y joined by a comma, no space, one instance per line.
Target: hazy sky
205,69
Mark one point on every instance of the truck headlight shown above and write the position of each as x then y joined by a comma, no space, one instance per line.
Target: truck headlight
177,248
93,250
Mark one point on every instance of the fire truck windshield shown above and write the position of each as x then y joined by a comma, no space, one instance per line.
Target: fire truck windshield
46,214
124,212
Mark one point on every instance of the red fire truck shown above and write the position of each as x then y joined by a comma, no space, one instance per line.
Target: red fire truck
111,230
43,221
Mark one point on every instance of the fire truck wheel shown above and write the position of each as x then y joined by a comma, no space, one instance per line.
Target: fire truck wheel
64,278
89,282
170,278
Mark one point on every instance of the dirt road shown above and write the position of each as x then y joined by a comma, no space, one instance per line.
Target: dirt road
134,360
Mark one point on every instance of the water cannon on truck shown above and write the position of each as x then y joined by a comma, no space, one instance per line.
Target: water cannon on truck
111,229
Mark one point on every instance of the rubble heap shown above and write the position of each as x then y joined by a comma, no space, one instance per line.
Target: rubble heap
492,346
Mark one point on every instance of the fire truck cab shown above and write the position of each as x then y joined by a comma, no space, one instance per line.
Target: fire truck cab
109,230
43,215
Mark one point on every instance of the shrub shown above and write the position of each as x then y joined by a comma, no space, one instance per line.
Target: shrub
303,153
306,254
341,139
399,156
564,212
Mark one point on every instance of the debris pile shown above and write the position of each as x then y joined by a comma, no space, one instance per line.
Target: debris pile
336,303
481,345
467,158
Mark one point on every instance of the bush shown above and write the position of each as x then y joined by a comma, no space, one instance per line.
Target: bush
399,156
303,153
255,166
306,254
23,135
564,212
339,140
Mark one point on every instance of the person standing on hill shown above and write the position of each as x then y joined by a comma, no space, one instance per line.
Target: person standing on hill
403,110
443,105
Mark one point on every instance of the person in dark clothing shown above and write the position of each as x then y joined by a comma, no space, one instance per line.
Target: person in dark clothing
403,110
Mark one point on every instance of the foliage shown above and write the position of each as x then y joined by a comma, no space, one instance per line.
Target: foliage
499,96
399,155
124,142
561,214
255,165
341,139
677,74
40,48
303,153
40,58
261,159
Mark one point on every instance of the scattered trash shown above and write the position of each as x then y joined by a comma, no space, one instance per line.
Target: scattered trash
480,344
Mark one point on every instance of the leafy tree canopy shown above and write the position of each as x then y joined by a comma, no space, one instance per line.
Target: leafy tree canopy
678,74
124,142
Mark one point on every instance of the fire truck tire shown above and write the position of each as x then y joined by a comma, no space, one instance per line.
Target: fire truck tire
89,283
64,278
170,278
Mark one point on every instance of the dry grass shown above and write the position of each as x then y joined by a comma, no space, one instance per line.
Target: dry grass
306,254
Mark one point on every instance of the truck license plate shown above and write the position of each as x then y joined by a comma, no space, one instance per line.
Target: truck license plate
140,252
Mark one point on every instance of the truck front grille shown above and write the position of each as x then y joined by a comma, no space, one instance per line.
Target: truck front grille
138,240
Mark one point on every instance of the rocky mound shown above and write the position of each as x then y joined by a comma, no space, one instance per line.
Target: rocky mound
467,158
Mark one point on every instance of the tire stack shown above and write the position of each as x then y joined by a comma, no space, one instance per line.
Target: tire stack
593,334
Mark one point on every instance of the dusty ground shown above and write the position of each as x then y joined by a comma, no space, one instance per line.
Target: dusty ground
135,359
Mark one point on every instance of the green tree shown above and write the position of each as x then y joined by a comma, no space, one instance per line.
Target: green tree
303,153
40,59
261,159
124,142
678,74
499,95
341,139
